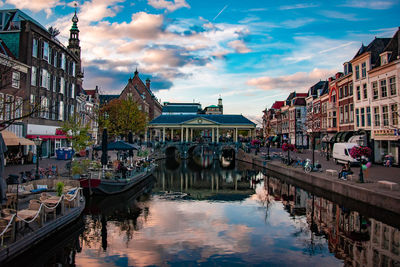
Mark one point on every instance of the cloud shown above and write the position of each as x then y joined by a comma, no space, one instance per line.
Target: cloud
239,46
298,6
298,81
96,10
339,15
297,23
370,4
169,5
35,5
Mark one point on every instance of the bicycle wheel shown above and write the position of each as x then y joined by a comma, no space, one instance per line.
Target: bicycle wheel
307,169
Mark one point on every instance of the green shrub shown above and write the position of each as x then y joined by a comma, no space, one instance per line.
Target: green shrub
60,188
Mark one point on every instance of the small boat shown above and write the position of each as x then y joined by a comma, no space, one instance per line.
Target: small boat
112,183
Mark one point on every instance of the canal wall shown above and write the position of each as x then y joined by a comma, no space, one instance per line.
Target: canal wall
368,193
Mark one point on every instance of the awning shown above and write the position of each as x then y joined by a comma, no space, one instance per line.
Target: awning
346,136
33,136
327,138
12,140
26,142
338,137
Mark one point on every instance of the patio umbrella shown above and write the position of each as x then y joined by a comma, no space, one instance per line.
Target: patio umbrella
130,141
118,146
104,156
3,185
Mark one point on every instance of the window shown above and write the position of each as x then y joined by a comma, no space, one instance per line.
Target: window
45,78
385,115
45,107
357,117
73,69
15,79
341,93
358,93
55,58
368,116
333,96
1,105
54,83
33,76
45,51
375,90
363,117
346,91
383,88
365,93
73,90
351,113
395,114
71,111
357,72
63,61
392,85
35,47
364,70
18,107
61,111
346,113
377,117
351,89
62,85
341,115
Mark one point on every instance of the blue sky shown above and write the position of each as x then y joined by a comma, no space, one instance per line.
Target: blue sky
249,52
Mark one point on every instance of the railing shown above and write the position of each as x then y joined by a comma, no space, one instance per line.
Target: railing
39,212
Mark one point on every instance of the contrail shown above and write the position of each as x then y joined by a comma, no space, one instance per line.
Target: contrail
222,10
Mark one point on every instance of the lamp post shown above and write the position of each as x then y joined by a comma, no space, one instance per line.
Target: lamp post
361,174
38,143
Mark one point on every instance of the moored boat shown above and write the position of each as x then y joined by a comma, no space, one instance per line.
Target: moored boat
115,184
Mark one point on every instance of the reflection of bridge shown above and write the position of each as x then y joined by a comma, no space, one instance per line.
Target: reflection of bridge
215,150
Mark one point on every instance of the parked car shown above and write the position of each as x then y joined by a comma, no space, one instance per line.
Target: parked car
341,153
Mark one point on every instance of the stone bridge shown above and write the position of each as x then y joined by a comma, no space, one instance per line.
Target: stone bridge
186,150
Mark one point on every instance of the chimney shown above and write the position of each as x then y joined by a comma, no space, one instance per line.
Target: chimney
148,83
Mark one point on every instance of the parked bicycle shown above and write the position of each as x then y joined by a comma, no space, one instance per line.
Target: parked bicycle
309,167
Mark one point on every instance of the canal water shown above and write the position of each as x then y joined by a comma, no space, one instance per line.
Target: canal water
202,212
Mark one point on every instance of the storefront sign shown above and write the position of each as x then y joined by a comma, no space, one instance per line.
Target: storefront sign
386,134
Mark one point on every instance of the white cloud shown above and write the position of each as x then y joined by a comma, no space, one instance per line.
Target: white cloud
35,5
239,46
169,5
298,6
338,15
299,81
370,4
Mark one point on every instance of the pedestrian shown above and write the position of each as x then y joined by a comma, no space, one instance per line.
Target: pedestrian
346,170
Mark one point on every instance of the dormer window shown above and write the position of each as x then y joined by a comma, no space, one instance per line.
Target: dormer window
385,58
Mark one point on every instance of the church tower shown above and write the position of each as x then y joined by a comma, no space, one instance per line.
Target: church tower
73,43
221,107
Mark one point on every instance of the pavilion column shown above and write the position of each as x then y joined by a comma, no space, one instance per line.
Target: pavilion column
181,134
236,135
172,134
191,134
212,135
163,135
145,135
151,131
217,135
250,133
187,135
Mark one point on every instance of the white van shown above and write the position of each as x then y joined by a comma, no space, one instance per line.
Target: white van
341,153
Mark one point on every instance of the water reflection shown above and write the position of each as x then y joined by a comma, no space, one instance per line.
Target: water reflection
223,215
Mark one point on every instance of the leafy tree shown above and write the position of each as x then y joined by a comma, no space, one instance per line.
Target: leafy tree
122,116
77,132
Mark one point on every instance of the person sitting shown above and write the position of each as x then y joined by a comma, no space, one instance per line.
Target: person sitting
346,170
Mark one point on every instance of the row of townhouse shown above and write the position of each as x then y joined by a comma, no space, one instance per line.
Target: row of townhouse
41,82
360,104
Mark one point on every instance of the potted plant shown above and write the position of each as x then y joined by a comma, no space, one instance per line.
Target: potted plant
361,153
59,188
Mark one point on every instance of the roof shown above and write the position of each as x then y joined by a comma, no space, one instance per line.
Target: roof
107,98
393,47
213,106
277,104
300,102
91,92
180,109
24,16
321,85
4,49
375,47
219,119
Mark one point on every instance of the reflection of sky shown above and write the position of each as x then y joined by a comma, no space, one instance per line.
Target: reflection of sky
209,233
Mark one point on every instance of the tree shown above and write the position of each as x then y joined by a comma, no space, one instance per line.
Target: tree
121,116
54,32
77,133
15,103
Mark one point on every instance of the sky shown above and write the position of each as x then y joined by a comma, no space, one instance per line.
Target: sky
251,53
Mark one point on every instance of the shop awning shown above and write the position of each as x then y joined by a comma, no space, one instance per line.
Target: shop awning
338,137
33,136
327,138
12,140
346,136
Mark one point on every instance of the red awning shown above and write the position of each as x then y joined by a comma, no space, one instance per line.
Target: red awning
32,136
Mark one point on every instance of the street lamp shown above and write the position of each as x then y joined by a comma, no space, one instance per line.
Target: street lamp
38,143
361,174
